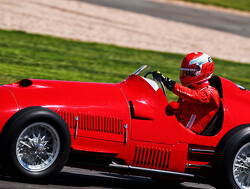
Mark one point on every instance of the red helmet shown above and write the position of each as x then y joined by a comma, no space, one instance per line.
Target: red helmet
196,68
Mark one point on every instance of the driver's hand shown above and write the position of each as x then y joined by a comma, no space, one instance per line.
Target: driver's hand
167,81
157,74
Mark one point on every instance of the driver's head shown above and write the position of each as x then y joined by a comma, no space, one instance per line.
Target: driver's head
196,68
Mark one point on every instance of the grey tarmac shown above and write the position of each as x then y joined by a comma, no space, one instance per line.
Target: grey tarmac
71,178
217,20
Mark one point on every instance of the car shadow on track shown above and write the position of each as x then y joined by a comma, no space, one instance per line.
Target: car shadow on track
88,179
108,180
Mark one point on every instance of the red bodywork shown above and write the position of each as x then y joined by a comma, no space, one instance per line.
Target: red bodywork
127,121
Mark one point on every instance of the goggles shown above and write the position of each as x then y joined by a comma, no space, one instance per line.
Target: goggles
187,72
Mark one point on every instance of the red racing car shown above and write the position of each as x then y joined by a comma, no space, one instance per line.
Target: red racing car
122,128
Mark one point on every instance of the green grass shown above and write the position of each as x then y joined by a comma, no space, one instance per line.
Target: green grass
25,55
239,4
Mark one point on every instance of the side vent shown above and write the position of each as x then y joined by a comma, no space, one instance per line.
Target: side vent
105,124
95,123
69,118
151,157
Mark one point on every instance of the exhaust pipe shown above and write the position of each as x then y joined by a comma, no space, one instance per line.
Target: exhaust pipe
113,166
142,171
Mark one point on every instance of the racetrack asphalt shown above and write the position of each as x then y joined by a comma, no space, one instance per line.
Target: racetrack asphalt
71,178
211,19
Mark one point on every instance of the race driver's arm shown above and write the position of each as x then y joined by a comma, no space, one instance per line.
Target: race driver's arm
185,92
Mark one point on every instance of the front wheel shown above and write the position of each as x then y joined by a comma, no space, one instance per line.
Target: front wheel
37,147
36,144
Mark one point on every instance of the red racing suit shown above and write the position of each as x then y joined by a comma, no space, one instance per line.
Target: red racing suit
195,107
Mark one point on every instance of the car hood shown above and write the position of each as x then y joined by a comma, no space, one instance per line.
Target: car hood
83,96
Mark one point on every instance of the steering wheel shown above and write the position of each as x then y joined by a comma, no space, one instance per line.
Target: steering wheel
146,75
158,78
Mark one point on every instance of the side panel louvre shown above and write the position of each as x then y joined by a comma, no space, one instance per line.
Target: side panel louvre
69,118
94,123
152,157
104,124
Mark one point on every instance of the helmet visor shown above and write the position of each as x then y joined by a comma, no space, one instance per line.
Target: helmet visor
187,72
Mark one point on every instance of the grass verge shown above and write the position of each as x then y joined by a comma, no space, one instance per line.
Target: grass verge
243,5
24,55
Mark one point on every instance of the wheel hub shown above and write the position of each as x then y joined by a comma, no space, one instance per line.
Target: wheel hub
37,146
40,148
248,160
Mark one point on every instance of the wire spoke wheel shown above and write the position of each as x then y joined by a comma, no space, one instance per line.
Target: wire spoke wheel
37,147
241,167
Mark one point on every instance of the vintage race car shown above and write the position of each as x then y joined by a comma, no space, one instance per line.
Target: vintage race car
122,128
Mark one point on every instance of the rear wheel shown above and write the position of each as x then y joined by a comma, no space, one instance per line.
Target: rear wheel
241,166
233,166
36,144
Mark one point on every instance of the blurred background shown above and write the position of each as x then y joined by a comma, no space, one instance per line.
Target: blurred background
107,40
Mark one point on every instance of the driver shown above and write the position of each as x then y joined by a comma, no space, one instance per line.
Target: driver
198,101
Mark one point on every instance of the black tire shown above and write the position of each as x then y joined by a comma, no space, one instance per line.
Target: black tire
49,149
227,152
